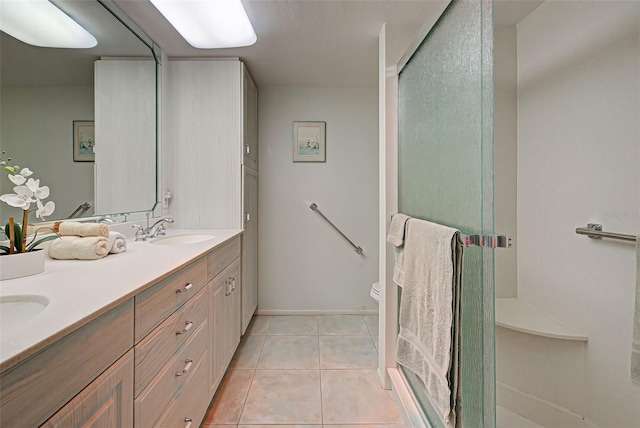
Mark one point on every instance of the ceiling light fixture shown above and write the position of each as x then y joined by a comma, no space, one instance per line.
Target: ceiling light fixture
209,24
41,23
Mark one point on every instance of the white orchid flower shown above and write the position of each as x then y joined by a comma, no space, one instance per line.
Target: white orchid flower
26,172
23,198
38,192
17,179
45,210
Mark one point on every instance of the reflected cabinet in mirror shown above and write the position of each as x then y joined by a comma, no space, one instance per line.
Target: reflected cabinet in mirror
84,120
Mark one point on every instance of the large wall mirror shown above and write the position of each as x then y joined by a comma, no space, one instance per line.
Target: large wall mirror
84,120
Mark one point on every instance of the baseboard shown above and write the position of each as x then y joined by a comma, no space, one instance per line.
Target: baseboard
317,312
410,412
538,410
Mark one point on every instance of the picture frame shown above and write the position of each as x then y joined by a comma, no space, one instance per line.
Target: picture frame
309,143
83,141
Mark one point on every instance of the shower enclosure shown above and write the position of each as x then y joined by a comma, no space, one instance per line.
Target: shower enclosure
445,175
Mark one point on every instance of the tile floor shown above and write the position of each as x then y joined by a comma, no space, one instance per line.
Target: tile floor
305,371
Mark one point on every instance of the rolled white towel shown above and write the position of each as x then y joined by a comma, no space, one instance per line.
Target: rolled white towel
76,247
71,228
117,242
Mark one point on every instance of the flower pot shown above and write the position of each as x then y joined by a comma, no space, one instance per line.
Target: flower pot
21,264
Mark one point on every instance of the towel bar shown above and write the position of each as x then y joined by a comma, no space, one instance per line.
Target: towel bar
594,231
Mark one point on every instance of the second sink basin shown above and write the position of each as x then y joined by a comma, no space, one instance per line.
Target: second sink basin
17,309
181,239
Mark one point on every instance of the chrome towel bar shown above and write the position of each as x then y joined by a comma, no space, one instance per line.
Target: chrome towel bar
357,248
594,231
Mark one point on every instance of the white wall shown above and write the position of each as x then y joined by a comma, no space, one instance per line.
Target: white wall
505,155
578,151
37,131
304,264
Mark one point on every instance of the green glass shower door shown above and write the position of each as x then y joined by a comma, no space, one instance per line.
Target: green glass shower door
445,137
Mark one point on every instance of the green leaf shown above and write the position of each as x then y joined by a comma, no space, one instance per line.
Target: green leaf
40,241
5,250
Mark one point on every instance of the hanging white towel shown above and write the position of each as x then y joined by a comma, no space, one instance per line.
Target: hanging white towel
428,341
396,237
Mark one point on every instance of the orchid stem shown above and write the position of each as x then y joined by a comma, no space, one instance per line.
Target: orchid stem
25,221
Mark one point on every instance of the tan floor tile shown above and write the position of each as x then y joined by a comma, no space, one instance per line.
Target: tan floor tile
341,325
259,325
372,325
248,352
230,397
300,325
347,352
283,397
355,397
290,352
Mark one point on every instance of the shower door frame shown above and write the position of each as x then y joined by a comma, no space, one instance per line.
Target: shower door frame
389,373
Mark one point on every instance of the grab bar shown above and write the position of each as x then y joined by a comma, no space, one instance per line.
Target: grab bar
357,248
594,231
83,207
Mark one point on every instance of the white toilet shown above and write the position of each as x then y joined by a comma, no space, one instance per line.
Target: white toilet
375,292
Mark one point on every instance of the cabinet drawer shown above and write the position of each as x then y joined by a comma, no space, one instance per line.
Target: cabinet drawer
35,389
155,350
155,304
107,402
221,257
167,384
192,401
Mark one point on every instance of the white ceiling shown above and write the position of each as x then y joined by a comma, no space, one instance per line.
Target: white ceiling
322,43
304,42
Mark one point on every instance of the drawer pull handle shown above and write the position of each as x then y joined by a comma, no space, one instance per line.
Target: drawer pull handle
186,368
187,327
232,281
228,289
188,421
185,289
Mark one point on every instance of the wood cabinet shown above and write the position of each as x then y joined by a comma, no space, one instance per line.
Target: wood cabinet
225,322
212,121
159,368
66,367
250,247
107,402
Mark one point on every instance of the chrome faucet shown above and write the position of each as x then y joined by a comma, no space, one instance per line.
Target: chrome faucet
157,229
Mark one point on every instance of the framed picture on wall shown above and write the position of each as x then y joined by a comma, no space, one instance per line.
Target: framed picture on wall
83,141
309,142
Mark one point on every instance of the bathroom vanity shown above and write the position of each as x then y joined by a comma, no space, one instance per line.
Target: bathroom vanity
139,339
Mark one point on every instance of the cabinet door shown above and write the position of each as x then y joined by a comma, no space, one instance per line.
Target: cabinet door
234,309
217,336
106,402
250,121
250,248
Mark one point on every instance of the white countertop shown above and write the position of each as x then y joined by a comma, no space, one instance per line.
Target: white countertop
79,291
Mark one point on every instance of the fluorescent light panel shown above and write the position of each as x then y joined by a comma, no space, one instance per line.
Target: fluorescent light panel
209,24
40,23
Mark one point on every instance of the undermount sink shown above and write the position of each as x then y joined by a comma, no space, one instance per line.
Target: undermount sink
181,239
17,309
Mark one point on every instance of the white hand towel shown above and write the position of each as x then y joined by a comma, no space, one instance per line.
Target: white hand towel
76,247
71,228
396,229
396,237
117,242
427,342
